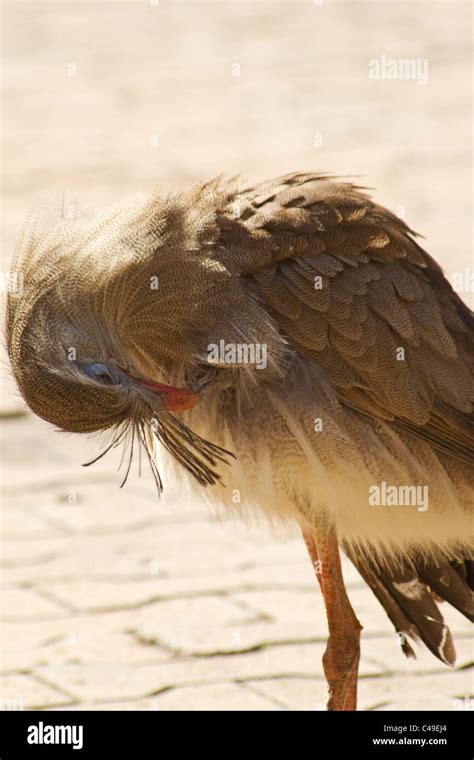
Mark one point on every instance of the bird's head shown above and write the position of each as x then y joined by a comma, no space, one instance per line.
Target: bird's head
84,381
75,371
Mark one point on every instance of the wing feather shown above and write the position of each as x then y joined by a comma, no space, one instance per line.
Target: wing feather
349,287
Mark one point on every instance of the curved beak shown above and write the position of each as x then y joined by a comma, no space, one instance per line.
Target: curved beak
175,399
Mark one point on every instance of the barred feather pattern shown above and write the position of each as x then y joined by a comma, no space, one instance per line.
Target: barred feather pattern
369,375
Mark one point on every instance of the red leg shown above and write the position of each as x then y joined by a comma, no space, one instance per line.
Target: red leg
341,658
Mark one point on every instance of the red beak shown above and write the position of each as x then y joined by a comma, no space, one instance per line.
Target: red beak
175,399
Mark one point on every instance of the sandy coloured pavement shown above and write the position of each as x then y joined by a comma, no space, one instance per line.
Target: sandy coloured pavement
111,599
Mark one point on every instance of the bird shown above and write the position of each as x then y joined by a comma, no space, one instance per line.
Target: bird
285,349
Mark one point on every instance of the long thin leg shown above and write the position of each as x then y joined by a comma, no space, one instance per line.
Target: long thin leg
341,658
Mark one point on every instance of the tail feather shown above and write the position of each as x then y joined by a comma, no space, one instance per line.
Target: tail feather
450,582
416,601
408,595
402,624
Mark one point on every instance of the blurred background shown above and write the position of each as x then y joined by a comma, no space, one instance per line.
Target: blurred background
110,598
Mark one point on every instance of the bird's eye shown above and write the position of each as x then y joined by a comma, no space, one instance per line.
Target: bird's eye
101,373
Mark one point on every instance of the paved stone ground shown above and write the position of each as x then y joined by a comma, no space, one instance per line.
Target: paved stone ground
110,598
